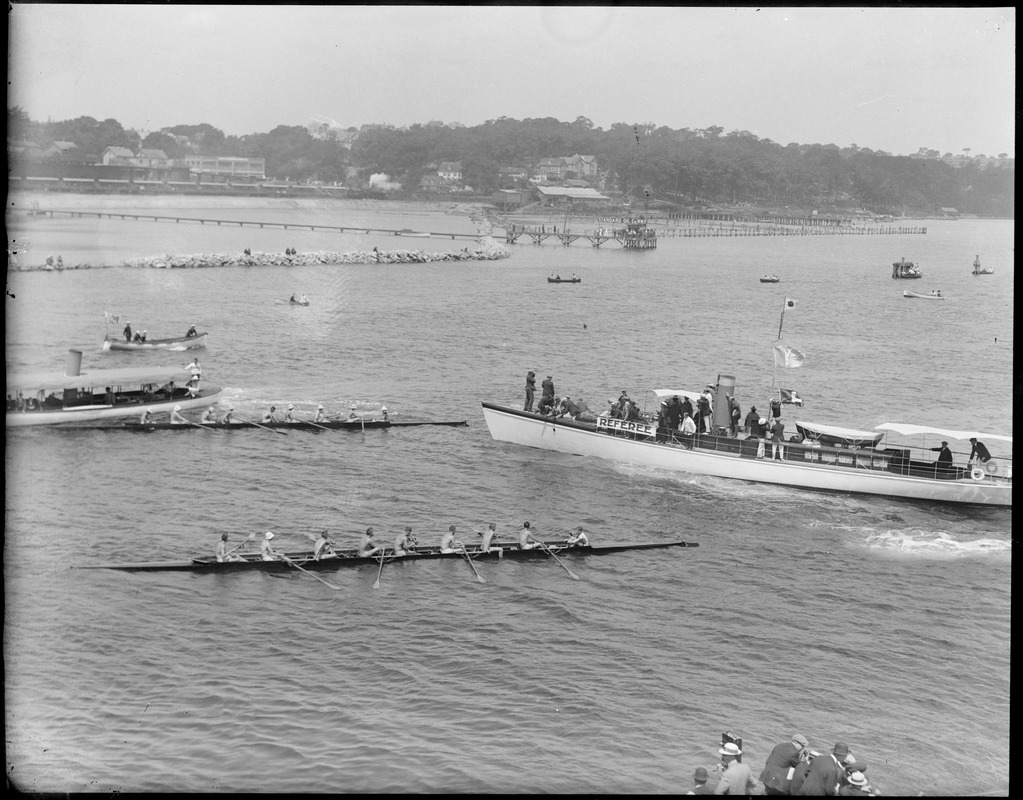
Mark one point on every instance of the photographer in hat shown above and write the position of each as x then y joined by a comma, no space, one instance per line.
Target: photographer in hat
781,764
737,777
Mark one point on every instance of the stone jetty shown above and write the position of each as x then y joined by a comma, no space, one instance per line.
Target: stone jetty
484,249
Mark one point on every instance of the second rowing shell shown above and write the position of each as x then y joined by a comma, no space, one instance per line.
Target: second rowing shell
333,425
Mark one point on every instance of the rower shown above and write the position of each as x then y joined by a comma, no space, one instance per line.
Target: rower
367,547
137,337
146,417
223,554
191,332
319,414
176,418
526,540
384,412
266,550
405,543
144,335
448,543
227,417
578,538
322,546
293,300
352,416
287,414
269,415
209,416
488,535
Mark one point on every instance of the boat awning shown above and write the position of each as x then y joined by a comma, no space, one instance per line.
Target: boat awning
920,430
133,377
833,433
663,393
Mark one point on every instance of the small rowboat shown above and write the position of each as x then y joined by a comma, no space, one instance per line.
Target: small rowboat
351,558
299,302
242,425
177,343
979,270
770,279
923,296
564,280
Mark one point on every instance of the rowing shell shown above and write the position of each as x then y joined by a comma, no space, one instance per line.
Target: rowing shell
350,558
334,425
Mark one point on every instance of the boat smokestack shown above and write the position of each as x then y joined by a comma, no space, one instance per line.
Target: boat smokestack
722,413
74,363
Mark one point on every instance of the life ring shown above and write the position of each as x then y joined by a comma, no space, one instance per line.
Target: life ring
991,468
977,474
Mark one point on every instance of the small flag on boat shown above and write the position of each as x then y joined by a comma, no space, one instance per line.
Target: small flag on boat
785,356
790,396
114,318
790,303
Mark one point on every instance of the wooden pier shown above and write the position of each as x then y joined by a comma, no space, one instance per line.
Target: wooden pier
633,237
50,212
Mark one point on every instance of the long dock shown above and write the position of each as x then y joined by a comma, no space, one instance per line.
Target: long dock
50,212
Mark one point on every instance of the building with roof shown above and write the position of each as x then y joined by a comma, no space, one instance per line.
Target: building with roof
560,195
450,170
117,155
227,166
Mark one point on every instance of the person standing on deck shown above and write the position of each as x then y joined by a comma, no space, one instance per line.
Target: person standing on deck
223,554
367,547
708,420
195,368
266,550
530,390
826,772
146,417
127,331
176,418
778,440
783,760
700,782
526,540
775,408
979,450
548,391
751,420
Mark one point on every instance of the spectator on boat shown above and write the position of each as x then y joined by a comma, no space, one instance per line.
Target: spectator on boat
530,390
448,544
979,450
526,540
700,782
191,332
775,408
266,550
487,545
127,331
944,456
548,389
367,547
228,417
737,777
209,415
319,417
857,786
801,771
269,415
623,401
405,542
688,430
703,413
571,407
144,335
168,389
663,422
578,538
137,337
778,441
176,418
322,546
585,412
825,774
784,757
759,432
288,416
674,412
686,407
110,396
751,420
734,415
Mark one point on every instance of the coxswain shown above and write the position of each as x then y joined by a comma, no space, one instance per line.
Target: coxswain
448,543
578,538
209,416
292,298
127,331
287,413
526,540
146,417
487,545
266,550
191,332
304,299
367,547
405,543
269,415
322,546
176,418
319,414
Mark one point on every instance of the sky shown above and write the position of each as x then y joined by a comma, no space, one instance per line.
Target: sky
890,79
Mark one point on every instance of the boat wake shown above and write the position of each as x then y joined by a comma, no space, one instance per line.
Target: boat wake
935,544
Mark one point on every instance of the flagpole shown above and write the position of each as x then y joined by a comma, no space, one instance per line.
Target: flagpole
781,319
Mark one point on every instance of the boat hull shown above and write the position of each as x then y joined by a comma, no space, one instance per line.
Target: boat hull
97,412
243,425
826,469
180,343
348,558
922,296
564,280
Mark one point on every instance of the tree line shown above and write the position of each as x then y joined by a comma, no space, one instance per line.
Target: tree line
685,167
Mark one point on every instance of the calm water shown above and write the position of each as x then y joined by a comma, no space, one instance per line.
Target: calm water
881,623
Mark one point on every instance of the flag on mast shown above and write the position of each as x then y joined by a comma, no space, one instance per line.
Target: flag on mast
790,396
114,318
785,356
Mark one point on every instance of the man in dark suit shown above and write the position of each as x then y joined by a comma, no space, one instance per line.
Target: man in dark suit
826,773
783,759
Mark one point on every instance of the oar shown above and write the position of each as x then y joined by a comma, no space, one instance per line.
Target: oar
264,427
551,554
310,574
244,542
204,427
321,427
376,585
466,554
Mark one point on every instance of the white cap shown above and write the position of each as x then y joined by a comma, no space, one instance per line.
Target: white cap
320,405
177,408
269,535
291,405
384,408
